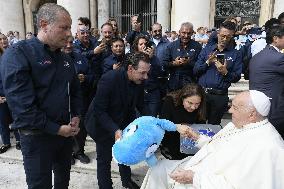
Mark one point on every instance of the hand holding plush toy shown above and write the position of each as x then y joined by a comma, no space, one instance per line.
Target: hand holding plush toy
141,138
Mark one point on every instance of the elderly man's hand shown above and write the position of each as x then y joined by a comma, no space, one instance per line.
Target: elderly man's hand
187,131
182,176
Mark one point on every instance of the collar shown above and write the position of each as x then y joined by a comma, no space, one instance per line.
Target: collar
275,48
260,123
77,41
45,46
156,41
187,45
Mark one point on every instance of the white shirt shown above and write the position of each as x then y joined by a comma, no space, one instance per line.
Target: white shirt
156,41
257,46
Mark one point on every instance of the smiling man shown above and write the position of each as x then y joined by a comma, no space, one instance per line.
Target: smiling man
180,57
44,96
218,66
118,95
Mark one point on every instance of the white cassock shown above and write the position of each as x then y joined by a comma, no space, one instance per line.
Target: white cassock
248,158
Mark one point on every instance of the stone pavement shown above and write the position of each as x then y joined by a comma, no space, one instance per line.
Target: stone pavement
83,176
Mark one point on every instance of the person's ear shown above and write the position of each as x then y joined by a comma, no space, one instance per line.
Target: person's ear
275,39
130,68
43,25
253,114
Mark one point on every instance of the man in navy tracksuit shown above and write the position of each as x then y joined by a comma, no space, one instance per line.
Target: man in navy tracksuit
180,57
217,67
86,78
44,95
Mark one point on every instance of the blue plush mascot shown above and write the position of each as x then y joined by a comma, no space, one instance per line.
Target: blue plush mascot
140,140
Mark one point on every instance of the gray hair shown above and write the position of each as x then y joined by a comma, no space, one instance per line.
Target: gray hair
49,12
187,25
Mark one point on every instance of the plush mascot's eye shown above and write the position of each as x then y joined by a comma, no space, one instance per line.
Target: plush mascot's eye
130,130
151,150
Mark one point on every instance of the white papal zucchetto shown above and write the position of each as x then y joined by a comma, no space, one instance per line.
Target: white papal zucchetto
261,102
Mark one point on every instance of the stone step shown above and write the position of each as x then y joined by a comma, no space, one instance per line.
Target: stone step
138,171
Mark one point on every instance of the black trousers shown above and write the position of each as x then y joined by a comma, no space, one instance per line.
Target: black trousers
104,157
43,153
216,106
80,139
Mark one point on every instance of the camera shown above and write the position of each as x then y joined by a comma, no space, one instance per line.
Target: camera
221,58
149,44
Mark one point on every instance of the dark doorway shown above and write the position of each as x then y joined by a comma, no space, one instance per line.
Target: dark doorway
122,10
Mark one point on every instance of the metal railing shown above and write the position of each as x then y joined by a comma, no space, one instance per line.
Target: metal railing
122,10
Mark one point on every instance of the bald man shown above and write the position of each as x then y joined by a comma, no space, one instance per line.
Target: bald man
246,153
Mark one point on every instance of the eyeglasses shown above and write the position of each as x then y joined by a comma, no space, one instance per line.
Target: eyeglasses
157,31
225,36
84,32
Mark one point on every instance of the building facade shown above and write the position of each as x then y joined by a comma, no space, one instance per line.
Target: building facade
20,14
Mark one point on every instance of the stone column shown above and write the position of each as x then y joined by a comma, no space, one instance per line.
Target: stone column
266,11
278,8
103,12
163,13
12,17
76,9
196,12
93,13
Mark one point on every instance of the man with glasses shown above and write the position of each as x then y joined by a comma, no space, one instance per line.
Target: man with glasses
118,95
180,57
217,67
160,44
83,44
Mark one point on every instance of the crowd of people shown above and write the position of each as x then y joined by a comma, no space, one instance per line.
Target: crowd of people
50,82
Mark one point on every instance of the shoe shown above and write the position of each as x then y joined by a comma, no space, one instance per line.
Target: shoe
4,148
131,185
72,160
82,157
18,145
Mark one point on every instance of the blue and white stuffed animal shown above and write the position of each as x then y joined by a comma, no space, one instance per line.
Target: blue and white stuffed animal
140,140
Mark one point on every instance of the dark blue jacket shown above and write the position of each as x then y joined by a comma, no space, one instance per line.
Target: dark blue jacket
161,47
82,67
97,64
35,81
152,82
1,85
266,70
109,61
111,104
209,76
87,52
130,36
180,75
267,76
